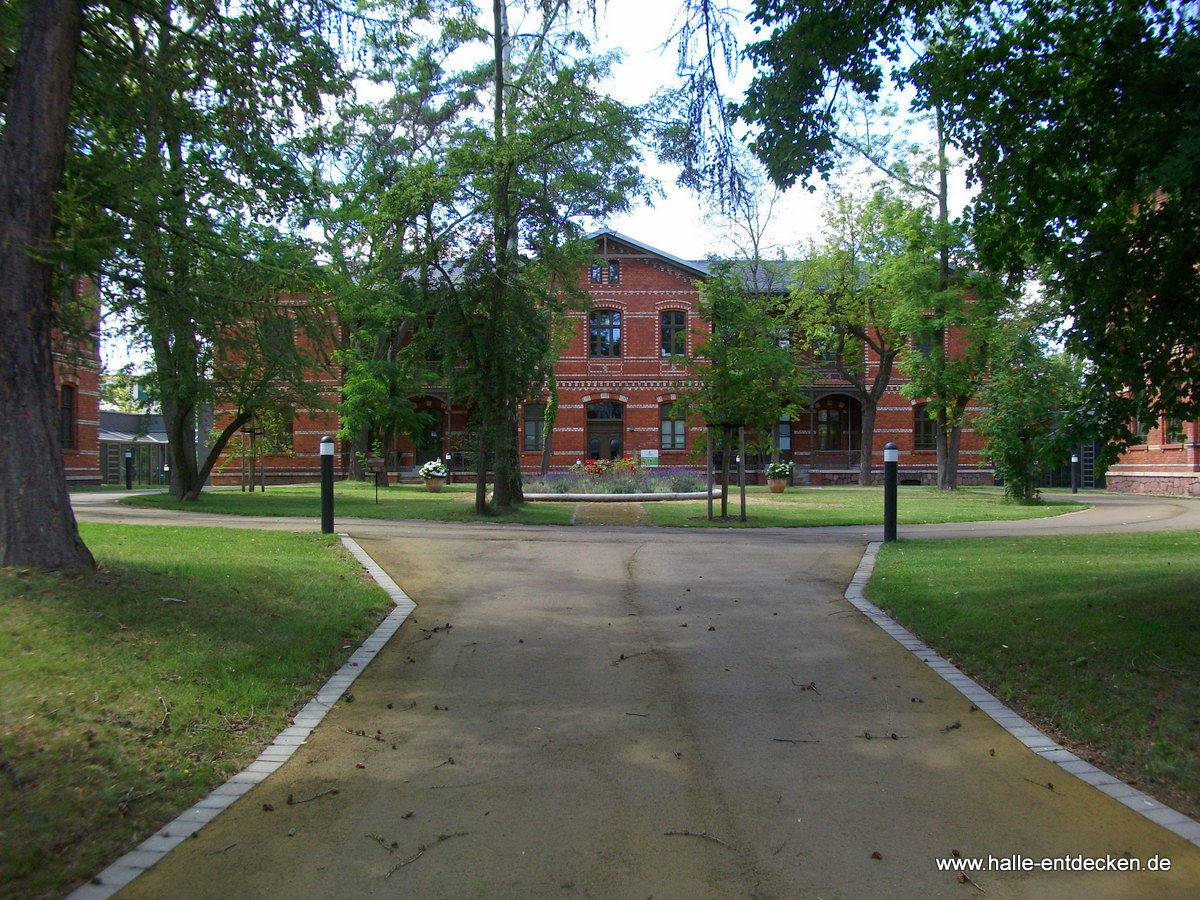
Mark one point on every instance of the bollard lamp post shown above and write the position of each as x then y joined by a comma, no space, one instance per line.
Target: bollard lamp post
128,468
327,485
891,459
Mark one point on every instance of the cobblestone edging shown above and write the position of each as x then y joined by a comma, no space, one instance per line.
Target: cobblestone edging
1023,731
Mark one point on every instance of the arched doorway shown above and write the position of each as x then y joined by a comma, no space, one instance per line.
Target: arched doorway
605,429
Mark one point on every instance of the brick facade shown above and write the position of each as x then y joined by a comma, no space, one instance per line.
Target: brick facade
77,381
636,380
1166,462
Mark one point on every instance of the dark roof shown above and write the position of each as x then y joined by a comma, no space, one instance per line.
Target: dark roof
703,268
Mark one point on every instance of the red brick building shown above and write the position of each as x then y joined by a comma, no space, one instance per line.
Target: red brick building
77,378
620,375
1165,461
617,381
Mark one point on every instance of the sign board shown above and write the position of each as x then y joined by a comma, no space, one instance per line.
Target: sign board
649,457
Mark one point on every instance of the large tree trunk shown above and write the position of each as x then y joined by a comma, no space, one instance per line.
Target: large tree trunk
37,526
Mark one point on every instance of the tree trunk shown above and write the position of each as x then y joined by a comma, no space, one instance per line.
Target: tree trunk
870,408
37,525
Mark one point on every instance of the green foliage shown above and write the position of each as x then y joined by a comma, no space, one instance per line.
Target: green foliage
744,369
1081,124
183,172
1083,121
840,307
1031,407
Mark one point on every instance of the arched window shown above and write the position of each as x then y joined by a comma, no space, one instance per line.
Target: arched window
604,333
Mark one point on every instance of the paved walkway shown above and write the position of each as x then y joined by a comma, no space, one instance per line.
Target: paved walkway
636,712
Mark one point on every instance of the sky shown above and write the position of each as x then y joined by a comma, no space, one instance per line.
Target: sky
677,223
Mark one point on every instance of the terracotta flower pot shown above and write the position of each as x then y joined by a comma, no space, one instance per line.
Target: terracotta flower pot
776,485
435,485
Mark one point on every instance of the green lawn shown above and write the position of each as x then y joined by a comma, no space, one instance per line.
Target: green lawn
356,499
816,506
128,695
1094,638
797,507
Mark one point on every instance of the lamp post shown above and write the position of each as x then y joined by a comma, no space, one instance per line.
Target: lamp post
128,468
891,458
327,485
1074,473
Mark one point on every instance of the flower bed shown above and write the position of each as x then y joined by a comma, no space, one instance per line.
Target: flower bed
614,477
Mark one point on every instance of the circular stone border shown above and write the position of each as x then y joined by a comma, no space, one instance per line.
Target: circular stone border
620,498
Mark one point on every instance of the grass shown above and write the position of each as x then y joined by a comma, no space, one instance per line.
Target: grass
812,507
130,694
1094,638
796,507
356,499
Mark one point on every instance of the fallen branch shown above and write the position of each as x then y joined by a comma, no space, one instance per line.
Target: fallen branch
292,801
222,850
795,741
421,852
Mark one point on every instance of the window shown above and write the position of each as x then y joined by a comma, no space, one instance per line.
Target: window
1175,432
924,429
606,411
674,337
829,429
924,344
604,328
783,436
66,417
672,430
612,267
534,429
1141,429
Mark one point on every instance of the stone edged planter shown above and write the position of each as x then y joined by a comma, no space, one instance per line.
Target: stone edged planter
776,485
435,485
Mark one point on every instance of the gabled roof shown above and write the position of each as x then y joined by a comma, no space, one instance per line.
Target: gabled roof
698,268
701,268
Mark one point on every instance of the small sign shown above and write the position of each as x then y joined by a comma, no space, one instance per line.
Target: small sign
649,457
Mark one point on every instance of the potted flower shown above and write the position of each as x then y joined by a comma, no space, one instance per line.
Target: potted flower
777,476
435,474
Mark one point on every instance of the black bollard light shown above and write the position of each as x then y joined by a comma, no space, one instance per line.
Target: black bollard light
327,485
128,469
891,458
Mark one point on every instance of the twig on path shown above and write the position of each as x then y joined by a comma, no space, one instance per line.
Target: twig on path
421,852
292,801
811,686
222,850
1048,785
639,715
436,787
699,834
796,741
624,656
